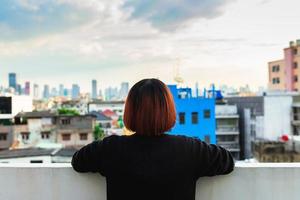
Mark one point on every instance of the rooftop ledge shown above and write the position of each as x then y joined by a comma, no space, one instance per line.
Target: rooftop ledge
249,181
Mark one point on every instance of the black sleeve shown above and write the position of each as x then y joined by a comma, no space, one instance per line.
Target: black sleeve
211,159
89,158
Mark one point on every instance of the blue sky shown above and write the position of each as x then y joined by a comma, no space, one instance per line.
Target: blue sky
74,41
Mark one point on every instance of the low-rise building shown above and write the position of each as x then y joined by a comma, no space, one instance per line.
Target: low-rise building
74,130
100,106
195,115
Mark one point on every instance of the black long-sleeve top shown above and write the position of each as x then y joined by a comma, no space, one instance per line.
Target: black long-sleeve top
152,167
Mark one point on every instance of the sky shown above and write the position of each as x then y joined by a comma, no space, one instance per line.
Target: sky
212,41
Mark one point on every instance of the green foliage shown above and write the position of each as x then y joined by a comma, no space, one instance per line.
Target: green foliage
5,122
120,123
98,132
67,111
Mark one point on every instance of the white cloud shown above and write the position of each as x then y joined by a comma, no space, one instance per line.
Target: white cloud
30,5
229,48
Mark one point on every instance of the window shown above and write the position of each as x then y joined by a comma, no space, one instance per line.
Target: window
275,68
207,139
83,136
295,78
295,51
36,161
276,80
206,114
3,136
25,135
45,135
295,65
66,136
227,138
65,121
181,118
194,117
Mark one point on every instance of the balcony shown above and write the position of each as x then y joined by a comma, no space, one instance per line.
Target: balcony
227,130
278,181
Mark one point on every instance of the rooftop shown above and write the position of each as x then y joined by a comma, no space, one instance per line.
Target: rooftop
58,181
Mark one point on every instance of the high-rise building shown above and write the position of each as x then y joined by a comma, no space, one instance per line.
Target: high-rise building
35,91
19,89
46,92
111,93
27,88
75,91
94,89
124,90
284,73
12,80
66,92
53,92
61,90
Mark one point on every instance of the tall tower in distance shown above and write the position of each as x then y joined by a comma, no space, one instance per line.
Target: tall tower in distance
12,80
27,88
35,91
94,89
124,90
75,91
46,92
61,90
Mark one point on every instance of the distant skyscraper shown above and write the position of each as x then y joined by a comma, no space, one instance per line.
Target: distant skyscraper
27,88
35,91
53,92
19,89
111,93
66,92
12,80
100,95
46,93
124,90
75,91
94,89
61,90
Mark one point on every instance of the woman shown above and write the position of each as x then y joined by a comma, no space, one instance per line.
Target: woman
151,164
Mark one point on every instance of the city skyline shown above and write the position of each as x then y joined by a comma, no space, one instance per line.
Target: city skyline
216,42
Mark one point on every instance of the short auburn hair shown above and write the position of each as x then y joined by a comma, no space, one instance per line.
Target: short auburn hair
149,108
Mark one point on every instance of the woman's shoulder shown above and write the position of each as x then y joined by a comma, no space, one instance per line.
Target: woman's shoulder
166,136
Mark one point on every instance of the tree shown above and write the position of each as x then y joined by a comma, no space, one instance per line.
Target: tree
67,111
120,122
98,132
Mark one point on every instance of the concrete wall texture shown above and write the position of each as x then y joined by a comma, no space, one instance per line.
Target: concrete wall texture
60,182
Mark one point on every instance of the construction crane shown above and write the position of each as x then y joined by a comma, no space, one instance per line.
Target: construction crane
177,78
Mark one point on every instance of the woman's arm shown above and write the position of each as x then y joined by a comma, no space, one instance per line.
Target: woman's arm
89,158
212,160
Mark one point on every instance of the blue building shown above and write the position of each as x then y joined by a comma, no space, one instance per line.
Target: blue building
46,92
12,80
75,91
195,115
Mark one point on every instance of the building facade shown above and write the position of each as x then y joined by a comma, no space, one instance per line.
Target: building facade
75,131
12,80
284,73
94,89
227,128
195,115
